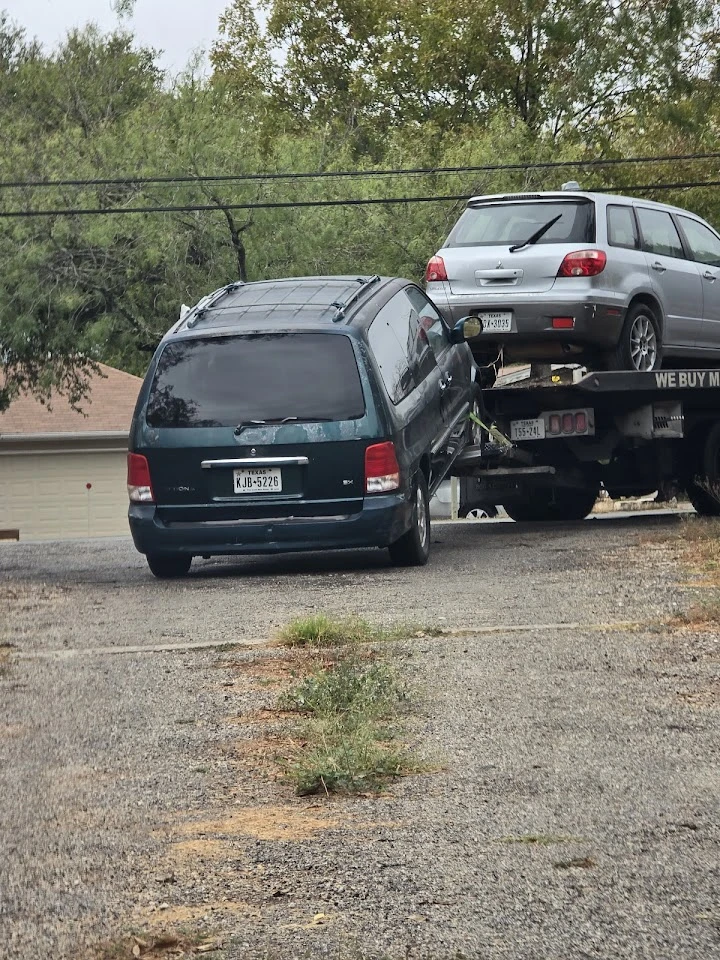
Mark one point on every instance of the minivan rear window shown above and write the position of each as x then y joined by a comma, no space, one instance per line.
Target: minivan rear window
505,224
224,381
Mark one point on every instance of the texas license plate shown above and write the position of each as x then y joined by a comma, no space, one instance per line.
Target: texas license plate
527,429
499,321
258,480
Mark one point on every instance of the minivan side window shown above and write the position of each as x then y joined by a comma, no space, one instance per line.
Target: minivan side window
392,337
659,233
621,227
704,244
431,323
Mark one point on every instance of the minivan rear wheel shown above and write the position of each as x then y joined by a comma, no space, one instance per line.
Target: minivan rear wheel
166,567
413,548
640,345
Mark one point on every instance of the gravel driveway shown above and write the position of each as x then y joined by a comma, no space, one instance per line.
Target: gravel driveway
571,811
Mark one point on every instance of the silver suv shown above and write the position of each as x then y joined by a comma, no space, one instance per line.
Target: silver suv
613,281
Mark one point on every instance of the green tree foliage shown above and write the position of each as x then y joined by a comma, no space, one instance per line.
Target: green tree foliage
336,85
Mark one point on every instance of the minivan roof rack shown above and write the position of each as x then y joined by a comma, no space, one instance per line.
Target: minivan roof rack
342,306
210,300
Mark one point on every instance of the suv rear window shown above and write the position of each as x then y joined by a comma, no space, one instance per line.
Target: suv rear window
224,381
507,223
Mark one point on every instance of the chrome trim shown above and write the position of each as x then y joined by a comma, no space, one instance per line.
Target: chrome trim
256,462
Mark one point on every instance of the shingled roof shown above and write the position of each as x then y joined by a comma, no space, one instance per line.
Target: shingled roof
108,409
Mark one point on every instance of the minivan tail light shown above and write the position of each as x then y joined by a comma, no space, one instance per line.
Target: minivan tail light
583,263
138,479
382,473
435,270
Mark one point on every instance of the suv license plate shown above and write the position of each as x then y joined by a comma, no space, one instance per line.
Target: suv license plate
258,480
498,322
527,429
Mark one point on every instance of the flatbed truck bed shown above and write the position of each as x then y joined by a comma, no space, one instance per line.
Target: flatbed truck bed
545,447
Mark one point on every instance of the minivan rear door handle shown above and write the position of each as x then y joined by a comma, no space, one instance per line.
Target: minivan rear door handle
712,277
659,267
443,386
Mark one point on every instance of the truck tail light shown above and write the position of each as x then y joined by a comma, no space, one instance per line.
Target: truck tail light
568,423
583,263
138,479
580,422
554,425
435,270
382,473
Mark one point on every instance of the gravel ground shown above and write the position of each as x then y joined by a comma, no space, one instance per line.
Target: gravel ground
573,811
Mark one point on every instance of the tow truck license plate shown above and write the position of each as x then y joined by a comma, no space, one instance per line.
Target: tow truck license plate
258,480
499,321
527,429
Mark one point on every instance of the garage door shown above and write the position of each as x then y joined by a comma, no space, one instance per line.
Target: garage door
58,495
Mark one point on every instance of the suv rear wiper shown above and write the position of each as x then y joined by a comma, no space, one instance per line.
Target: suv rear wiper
535,236
277,420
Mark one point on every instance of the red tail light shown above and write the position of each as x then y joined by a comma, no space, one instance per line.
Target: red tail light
583,263
138,479
580,422
382,472
568,423
435,270
555,424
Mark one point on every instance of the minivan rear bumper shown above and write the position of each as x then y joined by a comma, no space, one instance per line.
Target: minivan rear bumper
382,520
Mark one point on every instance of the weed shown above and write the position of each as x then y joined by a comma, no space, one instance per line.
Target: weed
706,613
348,747
5,649
320,630
583,862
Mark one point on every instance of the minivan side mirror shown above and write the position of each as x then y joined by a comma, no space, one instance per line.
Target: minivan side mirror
465,329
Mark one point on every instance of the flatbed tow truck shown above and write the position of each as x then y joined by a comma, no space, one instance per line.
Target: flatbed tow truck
545,445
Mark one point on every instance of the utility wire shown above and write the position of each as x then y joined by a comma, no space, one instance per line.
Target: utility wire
353,174
289,204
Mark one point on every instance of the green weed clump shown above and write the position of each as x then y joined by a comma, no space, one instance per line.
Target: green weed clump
350,706
320,630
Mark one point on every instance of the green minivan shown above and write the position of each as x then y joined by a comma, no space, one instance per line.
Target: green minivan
307,413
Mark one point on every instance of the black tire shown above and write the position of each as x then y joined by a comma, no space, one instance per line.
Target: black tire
413,548
166,567
708,470
569,505
640,343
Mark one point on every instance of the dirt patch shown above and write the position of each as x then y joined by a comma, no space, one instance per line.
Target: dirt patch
202,850
264,715
265,755
28,607
705,697
265,823
181,915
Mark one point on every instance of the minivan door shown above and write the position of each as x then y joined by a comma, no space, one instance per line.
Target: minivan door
676,279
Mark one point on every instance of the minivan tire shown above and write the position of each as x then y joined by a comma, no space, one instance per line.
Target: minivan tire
571,505
641,329
168,567
413,548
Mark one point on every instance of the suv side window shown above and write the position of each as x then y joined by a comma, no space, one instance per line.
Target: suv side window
431,322
659,233
704,244
392,337
621,227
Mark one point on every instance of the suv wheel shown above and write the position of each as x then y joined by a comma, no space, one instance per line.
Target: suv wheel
413,548
166,567
639,346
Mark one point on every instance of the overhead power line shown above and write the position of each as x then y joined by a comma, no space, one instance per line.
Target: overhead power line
352,174
290,204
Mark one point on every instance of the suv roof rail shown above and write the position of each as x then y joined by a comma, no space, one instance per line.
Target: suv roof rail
196,312
342,306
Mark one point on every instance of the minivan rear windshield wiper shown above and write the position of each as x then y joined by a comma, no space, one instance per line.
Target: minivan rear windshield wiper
244,424
536,236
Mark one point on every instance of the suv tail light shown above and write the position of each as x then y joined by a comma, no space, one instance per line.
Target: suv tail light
382,472
583,263
435,270
138,479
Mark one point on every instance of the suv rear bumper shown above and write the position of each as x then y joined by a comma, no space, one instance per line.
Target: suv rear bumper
382,520
596,323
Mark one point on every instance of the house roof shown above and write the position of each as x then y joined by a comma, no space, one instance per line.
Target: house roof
107,410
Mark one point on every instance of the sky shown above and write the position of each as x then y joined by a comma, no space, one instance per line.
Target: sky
179,27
